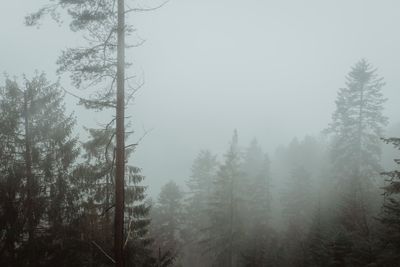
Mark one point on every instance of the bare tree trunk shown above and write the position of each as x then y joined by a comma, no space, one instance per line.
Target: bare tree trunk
159,257
360,131
29,184
120,142
231,207
107,226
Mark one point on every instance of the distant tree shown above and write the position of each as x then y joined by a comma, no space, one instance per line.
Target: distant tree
226,228
357,125
200,186
294,153
390,216
317,241
257,181
259,242
298,203
340,248
167,221
298,199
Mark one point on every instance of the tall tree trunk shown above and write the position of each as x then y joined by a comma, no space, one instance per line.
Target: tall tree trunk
230,253
120,142
360,131
30,185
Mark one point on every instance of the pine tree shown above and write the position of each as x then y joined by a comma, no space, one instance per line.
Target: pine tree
12,176
256,170
200,187
258,247
357,125
390,216
167,221
226,229
317,241
297,209
96,178
101,65
40,144
340,248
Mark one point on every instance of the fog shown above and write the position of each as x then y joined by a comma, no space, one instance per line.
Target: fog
271,70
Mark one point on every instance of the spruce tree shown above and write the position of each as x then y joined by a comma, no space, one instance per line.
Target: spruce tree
258,248
357,125
101,65
200,186
226,224
297,209
316,245
167,221
390,215
95,177
12,176
39,142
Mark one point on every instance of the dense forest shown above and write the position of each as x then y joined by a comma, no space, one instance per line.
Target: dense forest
70,195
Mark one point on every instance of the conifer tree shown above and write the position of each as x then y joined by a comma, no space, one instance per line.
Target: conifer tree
39,143
357,125
101,65
96,178
226,229
297,209
316,245
390,216
12,176
167,221
258,245
200,187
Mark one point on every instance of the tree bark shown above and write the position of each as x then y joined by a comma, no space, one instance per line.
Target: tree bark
29,184
120,140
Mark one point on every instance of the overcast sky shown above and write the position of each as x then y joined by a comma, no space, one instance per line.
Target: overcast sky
271,69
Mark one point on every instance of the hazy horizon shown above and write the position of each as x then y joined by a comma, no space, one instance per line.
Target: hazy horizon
271,70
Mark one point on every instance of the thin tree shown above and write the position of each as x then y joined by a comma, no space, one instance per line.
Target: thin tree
357,126
200,186
167,221
120,140
225,224
390,216
39,142
101,64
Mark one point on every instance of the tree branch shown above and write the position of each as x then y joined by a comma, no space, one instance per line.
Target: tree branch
144,9
102,251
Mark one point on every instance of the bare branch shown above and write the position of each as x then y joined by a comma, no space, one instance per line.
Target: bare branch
144,9
102,251
108,146
107,209
129,233
96,102
146,132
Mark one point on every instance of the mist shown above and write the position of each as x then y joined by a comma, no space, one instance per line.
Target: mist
257,82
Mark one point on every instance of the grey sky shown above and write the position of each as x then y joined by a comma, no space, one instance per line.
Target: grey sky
271,69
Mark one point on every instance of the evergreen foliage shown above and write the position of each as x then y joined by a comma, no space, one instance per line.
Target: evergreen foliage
226,222
167,222
38,201
390,216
